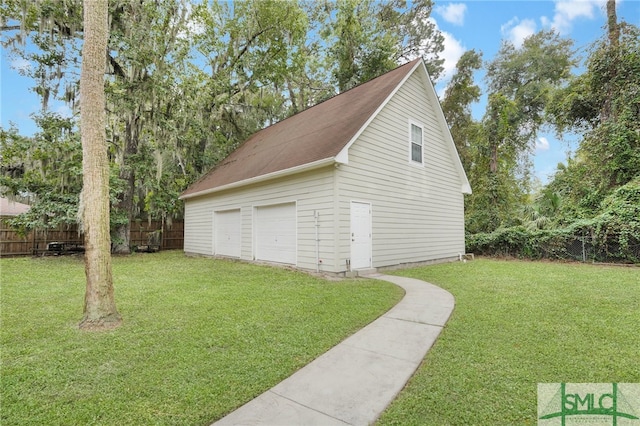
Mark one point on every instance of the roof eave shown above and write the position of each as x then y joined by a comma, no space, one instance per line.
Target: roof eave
262,178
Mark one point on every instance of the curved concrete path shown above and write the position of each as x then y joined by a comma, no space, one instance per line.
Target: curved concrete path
355,381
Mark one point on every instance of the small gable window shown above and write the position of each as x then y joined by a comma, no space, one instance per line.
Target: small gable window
416,143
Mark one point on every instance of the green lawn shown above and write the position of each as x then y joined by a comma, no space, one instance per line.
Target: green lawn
200,337
517,324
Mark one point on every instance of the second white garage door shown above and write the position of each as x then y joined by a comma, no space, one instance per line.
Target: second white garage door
275,233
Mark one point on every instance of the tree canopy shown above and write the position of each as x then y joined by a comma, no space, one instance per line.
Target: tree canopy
186,82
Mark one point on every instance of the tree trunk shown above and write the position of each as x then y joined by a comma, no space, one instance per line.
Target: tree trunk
122,232
493,161
292,97
99,304
613,28
613,31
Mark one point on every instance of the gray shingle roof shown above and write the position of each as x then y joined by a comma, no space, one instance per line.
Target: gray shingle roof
315,134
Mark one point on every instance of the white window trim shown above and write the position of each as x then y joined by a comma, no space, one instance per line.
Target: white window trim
417,124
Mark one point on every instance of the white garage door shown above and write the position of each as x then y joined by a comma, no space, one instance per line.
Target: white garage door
226,233
276,233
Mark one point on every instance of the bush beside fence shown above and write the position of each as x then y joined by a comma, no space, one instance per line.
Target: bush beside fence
581,243
613,235
36,241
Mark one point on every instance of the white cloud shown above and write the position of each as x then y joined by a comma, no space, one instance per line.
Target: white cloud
452,12
516,30
452,52
63,110
20,64
567,11
542,144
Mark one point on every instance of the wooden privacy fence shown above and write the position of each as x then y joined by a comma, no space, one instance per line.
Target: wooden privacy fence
171,237
35,242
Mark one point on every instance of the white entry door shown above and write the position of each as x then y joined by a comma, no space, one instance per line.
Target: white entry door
360,235
227,233
276,234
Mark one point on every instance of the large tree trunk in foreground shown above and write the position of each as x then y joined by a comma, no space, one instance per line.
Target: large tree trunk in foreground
99,304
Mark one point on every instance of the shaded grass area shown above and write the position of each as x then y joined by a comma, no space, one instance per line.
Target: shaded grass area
517,324
200,337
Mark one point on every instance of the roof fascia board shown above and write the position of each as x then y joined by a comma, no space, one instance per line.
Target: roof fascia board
343,155
280,173
465,187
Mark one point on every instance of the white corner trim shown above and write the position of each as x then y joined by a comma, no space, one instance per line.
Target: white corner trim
280,173
466,188
343,156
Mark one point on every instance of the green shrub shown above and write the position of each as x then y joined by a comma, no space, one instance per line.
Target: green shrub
612,235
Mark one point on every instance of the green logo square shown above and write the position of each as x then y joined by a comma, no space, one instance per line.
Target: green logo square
567,404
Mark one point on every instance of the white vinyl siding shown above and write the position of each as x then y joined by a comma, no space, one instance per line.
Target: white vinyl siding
419,211
312,192
198,227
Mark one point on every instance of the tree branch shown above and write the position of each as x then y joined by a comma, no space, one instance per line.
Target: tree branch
117,69
9,27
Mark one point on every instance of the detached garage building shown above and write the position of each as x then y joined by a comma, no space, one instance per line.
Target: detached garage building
369,178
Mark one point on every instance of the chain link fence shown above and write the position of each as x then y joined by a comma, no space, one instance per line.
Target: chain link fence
584,249
585,246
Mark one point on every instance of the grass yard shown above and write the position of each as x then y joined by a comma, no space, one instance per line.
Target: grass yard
517,324
200,337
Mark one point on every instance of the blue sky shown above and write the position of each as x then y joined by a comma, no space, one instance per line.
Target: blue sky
472,24
482,25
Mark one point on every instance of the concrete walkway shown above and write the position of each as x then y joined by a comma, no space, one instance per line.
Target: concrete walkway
355,381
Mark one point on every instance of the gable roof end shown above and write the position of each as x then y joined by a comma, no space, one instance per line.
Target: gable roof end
465,186
316,137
